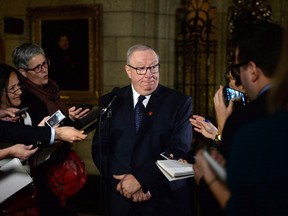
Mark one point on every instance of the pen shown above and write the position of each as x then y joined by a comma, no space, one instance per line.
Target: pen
163,155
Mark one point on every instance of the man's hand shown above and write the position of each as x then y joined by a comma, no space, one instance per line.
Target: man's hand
140,196
69,134
128,185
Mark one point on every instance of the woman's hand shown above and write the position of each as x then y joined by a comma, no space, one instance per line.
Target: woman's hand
77,113
204,126
9,114
21,151
42,123
222,111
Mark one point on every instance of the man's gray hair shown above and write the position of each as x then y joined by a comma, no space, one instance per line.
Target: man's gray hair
138,47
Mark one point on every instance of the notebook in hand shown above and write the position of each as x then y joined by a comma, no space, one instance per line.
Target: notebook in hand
175,169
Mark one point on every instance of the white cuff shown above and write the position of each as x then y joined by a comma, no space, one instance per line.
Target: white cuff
52,138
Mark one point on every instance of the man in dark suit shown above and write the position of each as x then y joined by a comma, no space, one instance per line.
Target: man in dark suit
126,155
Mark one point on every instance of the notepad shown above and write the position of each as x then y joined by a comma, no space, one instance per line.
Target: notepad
175,170
13,177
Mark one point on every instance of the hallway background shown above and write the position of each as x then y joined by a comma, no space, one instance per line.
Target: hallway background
191,36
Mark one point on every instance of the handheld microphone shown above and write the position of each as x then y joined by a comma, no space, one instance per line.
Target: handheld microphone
88,121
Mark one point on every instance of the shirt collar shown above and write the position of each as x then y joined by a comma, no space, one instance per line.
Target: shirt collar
265,88
136,95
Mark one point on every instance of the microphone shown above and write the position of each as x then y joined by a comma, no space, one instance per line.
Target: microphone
88,121
115,92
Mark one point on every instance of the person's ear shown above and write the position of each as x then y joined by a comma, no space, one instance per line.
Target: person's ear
254,71
23,72
128,71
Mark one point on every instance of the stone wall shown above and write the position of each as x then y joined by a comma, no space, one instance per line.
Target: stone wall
124,23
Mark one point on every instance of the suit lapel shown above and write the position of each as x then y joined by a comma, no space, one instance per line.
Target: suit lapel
126,110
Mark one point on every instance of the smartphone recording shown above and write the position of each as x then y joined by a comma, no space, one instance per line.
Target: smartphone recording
238,96
55,119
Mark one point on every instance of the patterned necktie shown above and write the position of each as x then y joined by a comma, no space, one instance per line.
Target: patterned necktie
139,110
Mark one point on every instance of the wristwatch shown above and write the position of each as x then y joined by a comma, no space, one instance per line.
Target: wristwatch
218,138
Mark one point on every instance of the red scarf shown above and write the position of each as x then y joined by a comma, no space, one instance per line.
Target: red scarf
49,94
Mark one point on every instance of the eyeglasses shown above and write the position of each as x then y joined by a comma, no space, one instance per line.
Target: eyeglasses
235,68
14,89
40,67
143,70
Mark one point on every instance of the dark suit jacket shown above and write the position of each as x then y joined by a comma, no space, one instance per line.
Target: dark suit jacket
17,133
165,127
240,117
257,169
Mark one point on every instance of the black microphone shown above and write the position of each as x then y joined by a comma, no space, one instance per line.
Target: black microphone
88,121
115,92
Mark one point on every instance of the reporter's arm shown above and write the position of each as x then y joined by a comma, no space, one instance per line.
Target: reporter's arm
69,134
10,112
11,132
218,187
204,126
21,151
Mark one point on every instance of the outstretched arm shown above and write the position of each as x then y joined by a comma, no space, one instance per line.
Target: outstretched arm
69,134
218,187
204,126
20,151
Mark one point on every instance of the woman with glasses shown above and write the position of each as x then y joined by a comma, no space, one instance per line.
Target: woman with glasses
204,126
210,131
42,96
24,201
10,92
41,93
